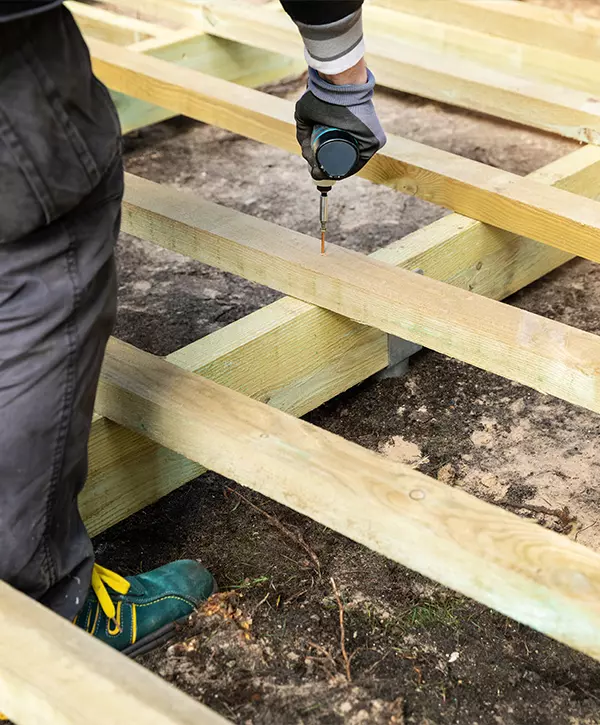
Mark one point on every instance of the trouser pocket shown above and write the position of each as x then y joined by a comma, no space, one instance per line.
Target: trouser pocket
58,129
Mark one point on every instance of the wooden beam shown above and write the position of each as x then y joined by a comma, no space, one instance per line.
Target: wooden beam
532,350
553,66
505,200
410,68
572,33
241,64
487,260
289,354
53,673
468,84
112,27
523,570
295,356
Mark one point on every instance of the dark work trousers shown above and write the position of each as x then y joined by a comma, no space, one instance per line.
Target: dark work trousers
61,184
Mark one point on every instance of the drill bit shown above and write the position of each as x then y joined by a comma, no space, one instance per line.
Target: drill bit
323,216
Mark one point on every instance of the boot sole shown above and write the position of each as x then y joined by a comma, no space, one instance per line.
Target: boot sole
159,637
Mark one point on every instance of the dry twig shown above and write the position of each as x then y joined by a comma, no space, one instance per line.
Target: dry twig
564,516
342,630
295,536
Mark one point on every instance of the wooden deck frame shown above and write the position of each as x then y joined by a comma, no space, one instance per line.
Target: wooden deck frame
574,33
119,29
496,197
52,673
184,47
483,81
546,355
319,354
552,584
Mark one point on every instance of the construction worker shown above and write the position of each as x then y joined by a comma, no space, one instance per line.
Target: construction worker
61,185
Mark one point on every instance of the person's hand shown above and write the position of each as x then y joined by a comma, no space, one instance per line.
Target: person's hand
343,101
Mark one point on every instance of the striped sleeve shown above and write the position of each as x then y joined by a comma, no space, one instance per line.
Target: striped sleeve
332,32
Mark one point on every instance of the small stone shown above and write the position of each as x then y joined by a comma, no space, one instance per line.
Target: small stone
518,406
422,415
489,480
482,439
447,474
453,657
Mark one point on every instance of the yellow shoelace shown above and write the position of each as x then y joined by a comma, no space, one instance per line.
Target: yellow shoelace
101,578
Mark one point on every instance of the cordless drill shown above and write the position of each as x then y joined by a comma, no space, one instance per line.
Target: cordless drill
337,154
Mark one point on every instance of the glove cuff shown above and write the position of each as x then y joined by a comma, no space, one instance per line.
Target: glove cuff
335,46
348,95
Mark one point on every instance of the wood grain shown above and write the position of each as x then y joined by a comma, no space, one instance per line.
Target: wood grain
571,32
290,355
112,27
532,63
241,64
53,673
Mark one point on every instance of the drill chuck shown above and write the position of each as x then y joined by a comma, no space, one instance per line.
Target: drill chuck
336,152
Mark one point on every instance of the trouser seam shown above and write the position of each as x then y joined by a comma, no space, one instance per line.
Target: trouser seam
48,88
27,168
68,402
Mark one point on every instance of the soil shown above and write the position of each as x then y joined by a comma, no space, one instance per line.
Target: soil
268,648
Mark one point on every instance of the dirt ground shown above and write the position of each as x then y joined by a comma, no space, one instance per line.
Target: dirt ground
268,648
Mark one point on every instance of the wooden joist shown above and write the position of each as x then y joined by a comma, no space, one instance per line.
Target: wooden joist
240,64
408,67
551,66
534,575
295,356
572,33
53,673
544,354
289,354
476,190
113,27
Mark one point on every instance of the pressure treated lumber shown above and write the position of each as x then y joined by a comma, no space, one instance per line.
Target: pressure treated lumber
511,564
574,33
278,355
517,59
112,27
411,68
546,355
52,673
476,190
241,64
295,356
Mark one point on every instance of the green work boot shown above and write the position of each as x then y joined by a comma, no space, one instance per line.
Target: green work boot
137,614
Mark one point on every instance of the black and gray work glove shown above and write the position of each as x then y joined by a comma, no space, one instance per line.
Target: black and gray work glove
349,108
